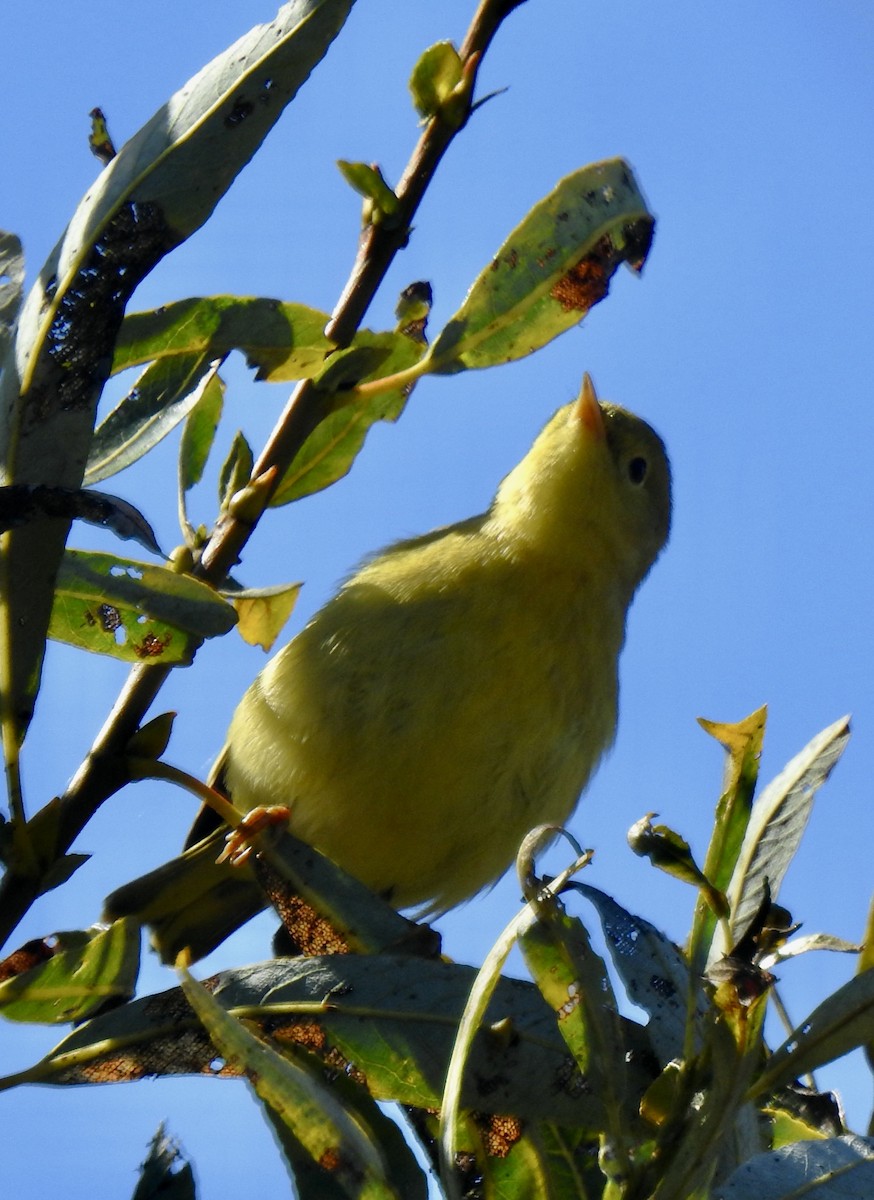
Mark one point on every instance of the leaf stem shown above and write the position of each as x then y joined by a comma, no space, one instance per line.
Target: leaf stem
388,383
151,768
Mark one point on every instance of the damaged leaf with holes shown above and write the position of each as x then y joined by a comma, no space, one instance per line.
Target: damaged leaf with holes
134,611
554,267
519,1063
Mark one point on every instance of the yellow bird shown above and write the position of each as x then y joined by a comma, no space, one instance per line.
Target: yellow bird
462,686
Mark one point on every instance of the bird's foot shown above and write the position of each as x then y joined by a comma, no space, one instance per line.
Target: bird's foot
238,843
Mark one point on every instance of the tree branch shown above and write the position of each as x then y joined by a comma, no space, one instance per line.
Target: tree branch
103,770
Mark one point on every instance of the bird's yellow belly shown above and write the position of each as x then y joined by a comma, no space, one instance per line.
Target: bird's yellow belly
422,788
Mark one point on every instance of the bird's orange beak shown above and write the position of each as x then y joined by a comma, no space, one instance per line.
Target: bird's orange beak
588,411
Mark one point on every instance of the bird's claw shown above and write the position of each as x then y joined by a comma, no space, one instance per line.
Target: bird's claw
238,843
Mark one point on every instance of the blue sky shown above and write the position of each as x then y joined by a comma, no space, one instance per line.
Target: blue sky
747,343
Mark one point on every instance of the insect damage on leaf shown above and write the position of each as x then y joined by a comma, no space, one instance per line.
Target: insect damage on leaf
588,281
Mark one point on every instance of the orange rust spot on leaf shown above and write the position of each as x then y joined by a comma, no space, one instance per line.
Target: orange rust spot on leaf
499,1133
152,646
307,1033
331,1159
25,958
588,281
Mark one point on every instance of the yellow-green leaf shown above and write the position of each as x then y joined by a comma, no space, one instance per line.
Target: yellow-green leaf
262,612
83,971
550,271
134,611
282,340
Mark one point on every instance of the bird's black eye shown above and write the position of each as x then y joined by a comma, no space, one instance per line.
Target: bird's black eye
637,468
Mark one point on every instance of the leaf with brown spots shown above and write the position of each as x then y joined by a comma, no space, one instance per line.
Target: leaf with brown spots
550,271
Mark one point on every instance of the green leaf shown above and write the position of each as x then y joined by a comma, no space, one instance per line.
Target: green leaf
236,469
435,76
328,453
368,181
574,982
843,1022
485,984
85,970
299,1095
777,822
743,743
262,612
311,1182
22,503
166,1174
831,1169
787,1127
165,393
162,185
134,611
199,432
283,341
550,271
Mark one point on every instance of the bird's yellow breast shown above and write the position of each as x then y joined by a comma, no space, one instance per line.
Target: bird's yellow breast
428,717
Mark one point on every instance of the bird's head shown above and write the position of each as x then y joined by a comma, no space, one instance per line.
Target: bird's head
595,487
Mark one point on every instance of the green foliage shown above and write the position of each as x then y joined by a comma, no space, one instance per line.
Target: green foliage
544,1088
543,1084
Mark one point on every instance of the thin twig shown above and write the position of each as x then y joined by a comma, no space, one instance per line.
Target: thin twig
103,770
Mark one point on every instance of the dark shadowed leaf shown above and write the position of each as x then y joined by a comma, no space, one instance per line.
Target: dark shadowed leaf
165,1174
652,969
393,1016
20,504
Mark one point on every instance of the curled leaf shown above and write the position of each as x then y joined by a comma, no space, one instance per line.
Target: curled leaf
671,853
435,76
380,200
22,503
